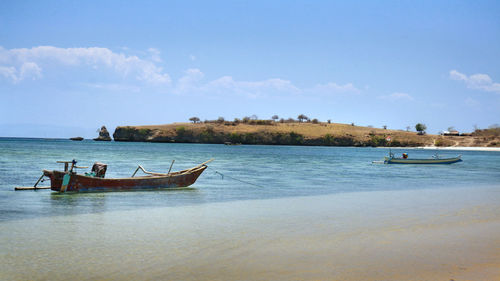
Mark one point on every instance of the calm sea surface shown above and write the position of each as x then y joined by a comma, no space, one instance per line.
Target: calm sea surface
251,172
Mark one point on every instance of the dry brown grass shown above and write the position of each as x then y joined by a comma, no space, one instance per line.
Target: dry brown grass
308,130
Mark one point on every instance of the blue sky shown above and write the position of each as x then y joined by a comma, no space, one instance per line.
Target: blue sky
68,67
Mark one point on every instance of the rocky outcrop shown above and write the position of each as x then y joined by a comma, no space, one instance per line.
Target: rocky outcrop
128,133
103,135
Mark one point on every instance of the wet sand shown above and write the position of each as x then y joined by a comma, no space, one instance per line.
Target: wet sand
439,234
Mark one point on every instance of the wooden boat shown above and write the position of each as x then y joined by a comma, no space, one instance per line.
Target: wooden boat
68,180
435,160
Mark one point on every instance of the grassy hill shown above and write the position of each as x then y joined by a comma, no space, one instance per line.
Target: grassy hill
296,133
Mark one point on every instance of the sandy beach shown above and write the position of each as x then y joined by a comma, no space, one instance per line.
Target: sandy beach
439,234
466,148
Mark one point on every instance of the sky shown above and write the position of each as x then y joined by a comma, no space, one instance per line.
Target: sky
69,67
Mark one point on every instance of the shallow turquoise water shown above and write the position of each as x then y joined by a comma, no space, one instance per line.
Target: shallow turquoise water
270,172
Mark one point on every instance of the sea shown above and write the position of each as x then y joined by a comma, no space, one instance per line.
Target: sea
237,173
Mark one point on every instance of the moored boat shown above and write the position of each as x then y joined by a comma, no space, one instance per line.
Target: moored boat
68,180
435,160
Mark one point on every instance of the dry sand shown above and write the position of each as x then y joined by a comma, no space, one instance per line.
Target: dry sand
429,234
472,148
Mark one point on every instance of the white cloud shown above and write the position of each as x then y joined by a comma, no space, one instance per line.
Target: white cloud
27,63
9,72
333,88
30,69
192,82
26,70
227,84
21,64
397,97
476,81
189,82
155,54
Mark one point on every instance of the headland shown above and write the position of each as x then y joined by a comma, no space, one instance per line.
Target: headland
268,132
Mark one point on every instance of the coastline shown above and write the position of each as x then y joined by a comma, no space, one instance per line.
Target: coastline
452,148
430,234
268,132
469,148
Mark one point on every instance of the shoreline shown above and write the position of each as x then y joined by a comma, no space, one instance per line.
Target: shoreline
452,148
469,148
464,148
430,234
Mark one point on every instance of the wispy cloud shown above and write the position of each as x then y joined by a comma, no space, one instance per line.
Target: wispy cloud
23,63
24,71
397,97
476,81
332,88
252,89
155,54
18,65
192,82
471,102
113,87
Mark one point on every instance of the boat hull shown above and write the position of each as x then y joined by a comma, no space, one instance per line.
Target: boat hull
82,183
389,160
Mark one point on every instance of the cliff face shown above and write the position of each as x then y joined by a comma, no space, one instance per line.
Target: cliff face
132,134
271,134
103,135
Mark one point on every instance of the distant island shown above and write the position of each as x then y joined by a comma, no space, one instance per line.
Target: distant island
312,133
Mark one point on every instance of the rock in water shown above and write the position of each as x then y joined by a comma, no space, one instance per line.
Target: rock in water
103,135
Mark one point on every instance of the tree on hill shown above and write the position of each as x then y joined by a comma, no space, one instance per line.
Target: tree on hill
194,119
275,118
302,117
420,128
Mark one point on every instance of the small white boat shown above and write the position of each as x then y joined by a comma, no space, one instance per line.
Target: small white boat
434,160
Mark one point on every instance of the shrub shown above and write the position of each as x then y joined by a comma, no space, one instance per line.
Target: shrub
194,119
